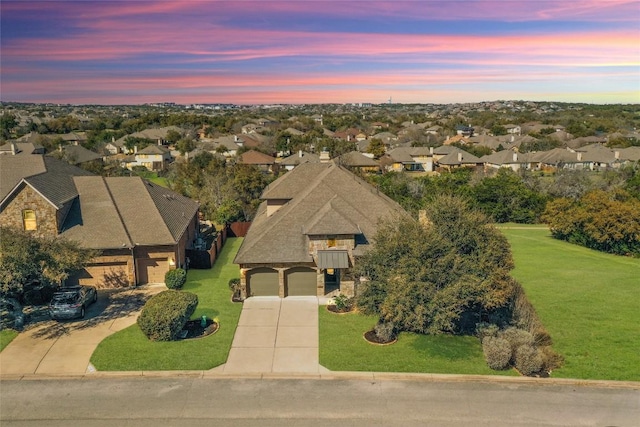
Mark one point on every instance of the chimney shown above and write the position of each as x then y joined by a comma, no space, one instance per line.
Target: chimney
460,156
299,153
324,156
75,143
616,155
135,149
113,139
159,141
431,150
515,157
579,156
14,148
235,138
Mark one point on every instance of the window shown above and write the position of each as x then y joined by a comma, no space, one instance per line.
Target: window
331,241
29,219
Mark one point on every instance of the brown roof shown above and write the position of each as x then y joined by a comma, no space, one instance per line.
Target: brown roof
254,157
125,212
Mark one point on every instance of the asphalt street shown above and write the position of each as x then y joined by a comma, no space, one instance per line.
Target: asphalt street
183,401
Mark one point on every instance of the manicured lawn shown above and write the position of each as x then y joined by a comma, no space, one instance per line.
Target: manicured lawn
6,336
153,177
130,350
588,301
342,348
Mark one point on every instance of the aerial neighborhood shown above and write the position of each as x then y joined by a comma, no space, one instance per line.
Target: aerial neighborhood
387,210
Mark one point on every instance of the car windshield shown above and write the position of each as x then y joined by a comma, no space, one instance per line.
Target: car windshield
65,297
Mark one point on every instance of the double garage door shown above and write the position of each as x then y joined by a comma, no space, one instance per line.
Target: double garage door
298,281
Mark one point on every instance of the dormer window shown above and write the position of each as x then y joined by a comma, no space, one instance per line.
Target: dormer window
29,220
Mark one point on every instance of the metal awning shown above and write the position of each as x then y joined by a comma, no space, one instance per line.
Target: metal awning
333,259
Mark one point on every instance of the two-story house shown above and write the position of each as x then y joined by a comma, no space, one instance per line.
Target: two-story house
313,224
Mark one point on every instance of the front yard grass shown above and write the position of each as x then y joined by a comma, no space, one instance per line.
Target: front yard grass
587,300
6,336
130,350
343,348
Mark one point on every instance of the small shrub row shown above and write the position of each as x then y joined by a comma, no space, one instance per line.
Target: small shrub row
516,347
166,313
175,279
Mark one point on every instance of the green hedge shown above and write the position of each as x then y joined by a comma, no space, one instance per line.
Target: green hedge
175,279
166,313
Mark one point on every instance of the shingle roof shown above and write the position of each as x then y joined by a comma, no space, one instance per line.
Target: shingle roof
459,157
323,198
505,157
356,159
14,168
299,158
125,212
254,157
153,149
77,154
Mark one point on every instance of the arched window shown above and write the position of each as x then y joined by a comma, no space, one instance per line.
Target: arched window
29,219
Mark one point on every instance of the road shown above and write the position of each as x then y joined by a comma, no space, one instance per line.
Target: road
184,401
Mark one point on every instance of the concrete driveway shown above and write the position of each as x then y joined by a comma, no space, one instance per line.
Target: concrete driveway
65,347
275,335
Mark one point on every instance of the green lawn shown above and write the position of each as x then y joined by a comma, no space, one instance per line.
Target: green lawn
153,177
129,349
6,336
589,302
343,348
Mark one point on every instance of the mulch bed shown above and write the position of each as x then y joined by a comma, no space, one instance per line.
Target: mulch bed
372,338
194,329
334,309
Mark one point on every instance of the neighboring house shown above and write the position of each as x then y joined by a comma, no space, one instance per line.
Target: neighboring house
464,130
412,159
158,135
458,159
558,158
355,160
229,144
15,147
77,154
299,158
153,157
506,159
141,230
513,129
313,224
264,162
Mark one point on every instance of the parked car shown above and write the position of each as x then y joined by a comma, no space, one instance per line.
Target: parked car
72,302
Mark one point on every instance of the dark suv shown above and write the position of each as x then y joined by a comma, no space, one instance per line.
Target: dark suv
71,302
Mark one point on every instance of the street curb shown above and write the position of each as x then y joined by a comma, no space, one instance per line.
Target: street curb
335,375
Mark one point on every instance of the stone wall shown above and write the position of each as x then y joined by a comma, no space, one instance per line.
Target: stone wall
27,198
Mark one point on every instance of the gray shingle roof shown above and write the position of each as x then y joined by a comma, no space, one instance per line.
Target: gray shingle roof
320,195
356,159
14,168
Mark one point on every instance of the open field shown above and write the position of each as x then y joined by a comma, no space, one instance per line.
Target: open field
130,350
589,302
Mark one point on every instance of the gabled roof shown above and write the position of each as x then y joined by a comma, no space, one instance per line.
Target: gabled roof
554,156
401,155
125,212
77,154
154,149
459,157
299,158
505,157
51,177
323,197
21,148
253,157
356,159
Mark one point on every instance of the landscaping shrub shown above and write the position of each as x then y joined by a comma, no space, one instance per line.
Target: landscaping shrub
516,338
528,360
234,284
175,279
343,302
550,359
166,313
484,329
385,331
497,352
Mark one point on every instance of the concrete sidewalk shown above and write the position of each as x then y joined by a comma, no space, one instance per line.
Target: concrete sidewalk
275,335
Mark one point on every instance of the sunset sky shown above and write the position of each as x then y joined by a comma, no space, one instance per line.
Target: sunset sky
331,51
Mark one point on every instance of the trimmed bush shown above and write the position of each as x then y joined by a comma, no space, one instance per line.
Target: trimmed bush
166,313
175,279
484,329
497,352
343,302
517,338
528,360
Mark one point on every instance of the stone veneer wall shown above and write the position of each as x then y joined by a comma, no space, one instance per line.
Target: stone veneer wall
28,198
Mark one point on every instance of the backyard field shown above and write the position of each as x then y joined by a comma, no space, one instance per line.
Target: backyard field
589,302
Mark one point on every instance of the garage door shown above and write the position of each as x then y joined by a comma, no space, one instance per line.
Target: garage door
152,270
301,281
104,274
262,282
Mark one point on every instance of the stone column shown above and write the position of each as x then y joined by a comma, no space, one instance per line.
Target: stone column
281,280
243,283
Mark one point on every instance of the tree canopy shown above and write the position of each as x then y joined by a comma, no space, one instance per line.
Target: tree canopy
28,262
426,276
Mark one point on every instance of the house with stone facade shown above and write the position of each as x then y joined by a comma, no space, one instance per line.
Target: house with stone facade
140,230
313,224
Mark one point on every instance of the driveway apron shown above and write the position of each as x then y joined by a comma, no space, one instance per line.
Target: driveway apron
276,335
